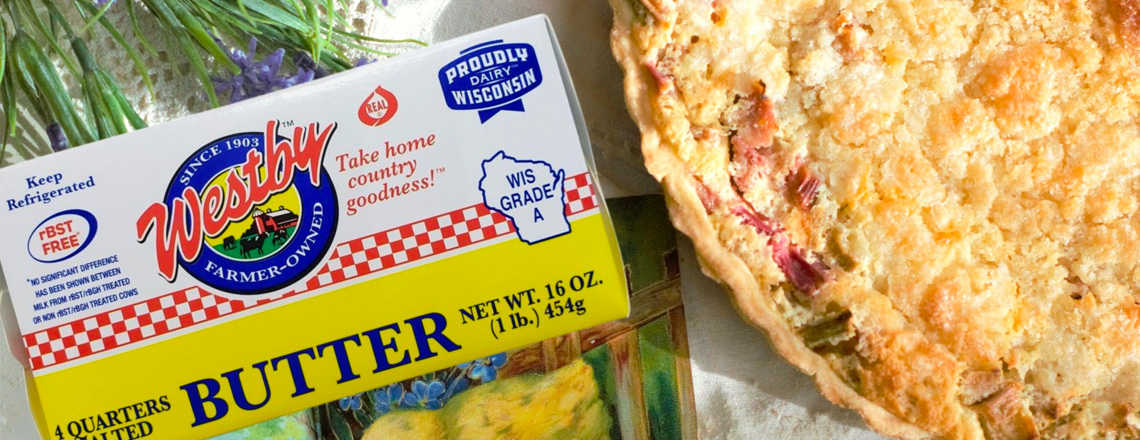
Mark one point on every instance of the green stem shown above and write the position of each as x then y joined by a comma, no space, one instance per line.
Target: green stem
42,27
24,80
9,92
96,18
121,101
199,68
51,89
86,60
198,32
3,53
96,110
136,59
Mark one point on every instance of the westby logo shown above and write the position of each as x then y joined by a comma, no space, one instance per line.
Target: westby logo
378,108
248,213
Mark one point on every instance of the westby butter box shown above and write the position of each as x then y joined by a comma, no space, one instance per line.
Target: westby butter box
189,279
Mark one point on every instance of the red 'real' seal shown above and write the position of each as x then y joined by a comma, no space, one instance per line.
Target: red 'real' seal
378,108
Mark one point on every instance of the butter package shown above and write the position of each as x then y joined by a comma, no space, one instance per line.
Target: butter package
233,266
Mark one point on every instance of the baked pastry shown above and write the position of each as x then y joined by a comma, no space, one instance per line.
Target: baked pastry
929,206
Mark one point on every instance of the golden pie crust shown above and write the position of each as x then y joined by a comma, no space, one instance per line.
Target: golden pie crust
929,206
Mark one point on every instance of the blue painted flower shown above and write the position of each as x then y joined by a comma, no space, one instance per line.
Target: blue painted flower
455,386
257,77
350,403
387,398
486,369
425,395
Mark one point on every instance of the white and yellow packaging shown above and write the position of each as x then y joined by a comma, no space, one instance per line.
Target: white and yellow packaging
233,266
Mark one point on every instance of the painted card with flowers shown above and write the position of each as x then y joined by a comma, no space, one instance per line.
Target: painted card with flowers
627,379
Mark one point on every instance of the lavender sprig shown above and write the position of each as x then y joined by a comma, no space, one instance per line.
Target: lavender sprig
256,77
304,60
56,137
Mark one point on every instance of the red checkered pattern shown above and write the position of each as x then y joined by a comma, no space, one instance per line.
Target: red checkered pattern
355,258
580,194
123,326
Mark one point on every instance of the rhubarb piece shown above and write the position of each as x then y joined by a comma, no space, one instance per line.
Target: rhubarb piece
803,186
806,276
980,385
664,83
1004,417
753,120
708,199
829,332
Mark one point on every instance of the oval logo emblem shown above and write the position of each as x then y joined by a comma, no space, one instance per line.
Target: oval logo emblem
62,235
247,217
378,108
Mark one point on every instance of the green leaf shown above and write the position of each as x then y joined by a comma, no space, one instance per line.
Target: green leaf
339,426
244,12
52,90
297,7
336,63
3,51
89,115
278,15
332,13
97,16
14,15
136,59
114,110
97,111
8,89
24,80
121,101
199,67
49,36
138,30
369,49
357,36
197,31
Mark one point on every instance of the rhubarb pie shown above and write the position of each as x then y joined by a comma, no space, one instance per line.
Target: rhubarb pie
930,206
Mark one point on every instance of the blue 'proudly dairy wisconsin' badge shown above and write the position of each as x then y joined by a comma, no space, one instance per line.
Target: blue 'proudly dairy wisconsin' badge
490,77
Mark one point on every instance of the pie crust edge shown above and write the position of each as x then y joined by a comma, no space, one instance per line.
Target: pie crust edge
689,216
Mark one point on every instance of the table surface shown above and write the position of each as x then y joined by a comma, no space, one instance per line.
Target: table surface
742,388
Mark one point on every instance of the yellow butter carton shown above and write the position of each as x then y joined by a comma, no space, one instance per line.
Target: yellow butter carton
230,267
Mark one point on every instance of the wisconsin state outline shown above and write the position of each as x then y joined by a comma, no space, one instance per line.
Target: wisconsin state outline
529,193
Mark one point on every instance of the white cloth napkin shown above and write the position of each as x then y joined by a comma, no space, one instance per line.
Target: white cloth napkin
743,390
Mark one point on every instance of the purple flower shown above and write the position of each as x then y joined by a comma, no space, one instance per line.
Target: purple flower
257,77
363,62
304,60
101,3
57,137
